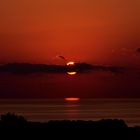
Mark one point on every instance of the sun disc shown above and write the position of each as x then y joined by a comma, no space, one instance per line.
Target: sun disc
70,63
72,73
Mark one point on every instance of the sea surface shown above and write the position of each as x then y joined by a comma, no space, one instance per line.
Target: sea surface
43,110
96,84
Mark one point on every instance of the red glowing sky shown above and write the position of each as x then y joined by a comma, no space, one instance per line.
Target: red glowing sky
99,31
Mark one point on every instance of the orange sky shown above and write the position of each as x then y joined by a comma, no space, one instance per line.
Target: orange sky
99,31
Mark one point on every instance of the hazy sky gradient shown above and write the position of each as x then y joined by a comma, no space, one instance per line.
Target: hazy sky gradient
99,31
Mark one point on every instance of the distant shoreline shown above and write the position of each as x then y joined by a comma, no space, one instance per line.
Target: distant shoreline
27,68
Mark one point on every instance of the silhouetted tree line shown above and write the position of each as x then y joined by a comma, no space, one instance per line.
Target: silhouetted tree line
13,125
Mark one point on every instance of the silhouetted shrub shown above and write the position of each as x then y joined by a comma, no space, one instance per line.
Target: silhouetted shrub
12,119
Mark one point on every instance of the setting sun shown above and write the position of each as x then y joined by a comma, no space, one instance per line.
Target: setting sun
70,63
72,73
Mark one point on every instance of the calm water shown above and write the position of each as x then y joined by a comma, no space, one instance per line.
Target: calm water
84,109
98,84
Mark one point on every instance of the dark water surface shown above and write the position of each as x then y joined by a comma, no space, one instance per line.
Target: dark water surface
85,109
98,84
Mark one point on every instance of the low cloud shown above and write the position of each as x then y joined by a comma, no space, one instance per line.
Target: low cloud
26,68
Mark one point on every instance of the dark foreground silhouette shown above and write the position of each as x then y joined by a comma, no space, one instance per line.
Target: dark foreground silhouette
13,125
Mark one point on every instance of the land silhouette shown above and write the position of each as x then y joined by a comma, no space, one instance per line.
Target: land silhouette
109,128
27,68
